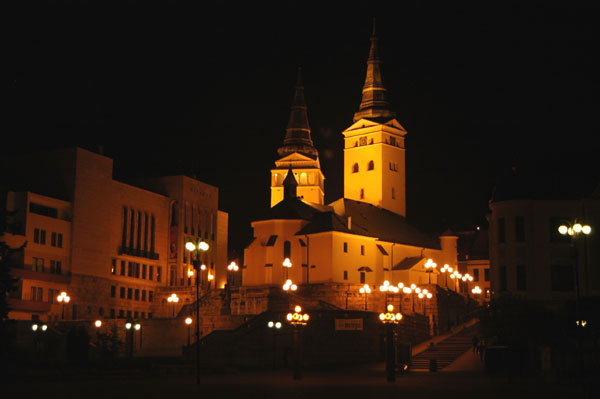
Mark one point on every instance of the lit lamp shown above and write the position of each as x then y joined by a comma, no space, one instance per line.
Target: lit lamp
188,323
576,230
173,299
197,247
477,292
446,269
130,328
289,286
466,279
365,289
232,268
430,266
63,298
390,319
287,265
297,319
274,326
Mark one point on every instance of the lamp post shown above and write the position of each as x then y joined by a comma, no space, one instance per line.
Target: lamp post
365,289
188,322
173,299
456,276
430,266
390,320
287,265
476,292
575,230
197,247
297,319
446,269
232,268
274,325
466,279
63,298
289,286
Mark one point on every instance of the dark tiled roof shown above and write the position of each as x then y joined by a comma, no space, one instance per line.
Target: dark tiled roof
407,263
369,220
291,208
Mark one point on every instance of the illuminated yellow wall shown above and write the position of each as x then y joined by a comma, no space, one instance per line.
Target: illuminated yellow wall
381,147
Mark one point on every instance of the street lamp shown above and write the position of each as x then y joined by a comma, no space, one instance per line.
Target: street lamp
575,230
197,247
287,265
409,290
188,322
63,298
274,325
476,291
390,319
365,289
385,287
297,319
289,286
455,276
232,268
173,299
430,266
446,269
466,279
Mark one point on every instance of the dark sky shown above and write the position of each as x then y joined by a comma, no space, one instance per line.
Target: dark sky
170,89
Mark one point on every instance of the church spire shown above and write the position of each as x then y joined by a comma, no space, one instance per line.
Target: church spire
297,133
374,102
290,185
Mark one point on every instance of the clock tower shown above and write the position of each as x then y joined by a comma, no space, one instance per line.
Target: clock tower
299,155
374,151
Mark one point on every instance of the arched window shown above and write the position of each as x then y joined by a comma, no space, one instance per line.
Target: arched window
303,178
371,165
287,249
355,168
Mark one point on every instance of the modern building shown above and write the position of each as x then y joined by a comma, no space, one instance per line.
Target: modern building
529,258
362,238
116,249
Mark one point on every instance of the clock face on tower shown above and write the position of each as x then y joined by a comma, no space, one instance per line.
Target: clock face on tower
363,141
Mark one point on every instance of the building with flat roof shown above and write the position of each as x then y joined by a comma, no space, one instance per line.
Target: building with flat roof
116,249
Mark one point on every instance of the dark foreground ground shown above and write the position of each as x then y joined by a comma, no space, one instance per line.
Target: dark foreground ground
366,381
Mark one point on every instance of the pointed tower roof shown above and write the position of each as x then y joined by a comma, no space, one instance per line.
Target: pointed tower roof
290,185
297,133
374,102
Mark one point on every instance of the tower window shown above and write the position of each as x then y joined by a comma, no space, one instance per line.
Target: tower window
355,168
362,193
287,249
392,140
393,193
345,247
362,249
345,274
371,165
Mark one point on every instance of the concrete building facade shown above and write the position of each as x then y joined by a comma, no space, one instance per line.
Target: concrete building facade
116,249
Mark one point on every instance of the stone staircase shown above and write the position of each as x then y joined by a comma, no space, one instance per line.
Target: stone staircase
446,351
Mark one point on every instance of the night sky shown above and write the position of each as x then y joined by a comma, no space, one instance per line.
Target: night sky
206,91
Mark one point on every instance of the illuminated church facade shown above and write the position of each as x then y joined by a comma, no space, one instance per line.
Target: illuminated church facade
362,238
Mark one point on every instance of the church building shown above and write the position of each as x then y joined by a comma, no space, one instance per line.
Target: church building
362,238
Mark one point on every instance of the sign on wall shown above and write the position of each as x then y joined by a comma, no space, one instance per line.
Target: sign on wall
348,324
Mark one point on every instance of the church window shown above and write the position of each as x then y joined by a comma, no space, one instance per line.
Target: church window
362,277
393,193
371,165
394,166
287,249
355,168
363,141
362,193
345,247
345,274
392,141
362,249
311,179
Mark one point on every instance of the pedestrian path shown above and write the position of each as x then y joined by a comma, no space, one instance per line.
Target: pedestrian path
441,352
